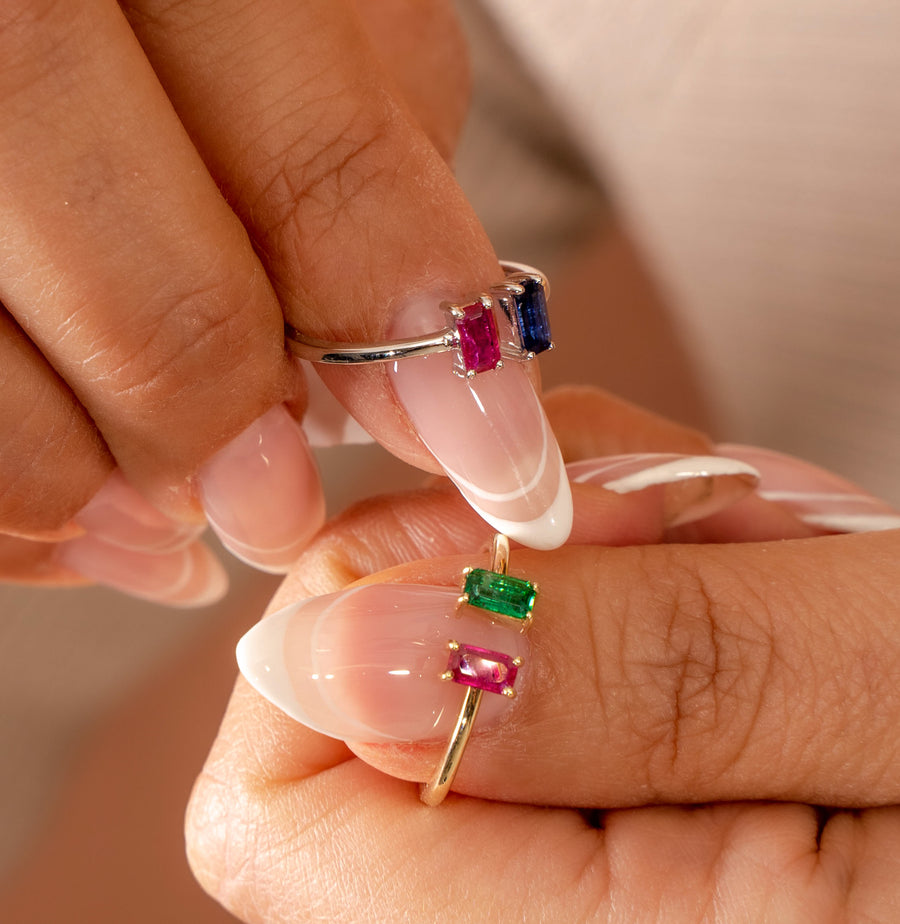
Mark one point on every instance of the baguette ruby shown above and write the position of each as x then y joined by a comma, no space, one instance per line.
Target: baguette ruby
491,671
479,344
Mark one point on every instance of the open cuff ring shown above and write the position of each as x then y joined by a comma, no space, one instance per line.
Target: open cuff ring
480,336
478,669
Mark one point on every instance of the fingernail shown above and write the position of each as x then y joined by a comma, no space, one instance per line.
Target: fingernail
814,495
191,576
326,421
693,487
262,494
490,435
120,516
365,664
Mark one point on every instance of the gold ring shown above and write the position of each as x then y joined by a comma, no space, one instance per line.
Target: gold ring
505,598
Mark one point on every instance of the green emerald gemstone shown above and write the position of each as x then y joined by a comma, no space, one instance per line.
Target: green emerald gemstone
500,593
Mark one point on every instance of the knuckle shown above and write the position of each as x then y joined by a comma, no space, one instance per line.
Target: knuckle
192,350
703,671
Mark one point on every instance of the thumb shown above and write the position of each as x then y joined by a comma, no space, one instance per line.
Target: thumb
666,673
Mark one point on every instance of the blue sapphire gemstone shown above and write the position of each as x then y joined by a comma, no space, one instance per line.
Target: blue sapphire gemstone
531,316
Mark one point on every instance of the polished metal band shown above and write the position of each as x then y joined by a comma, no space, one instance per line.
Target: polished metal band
440,341
436,789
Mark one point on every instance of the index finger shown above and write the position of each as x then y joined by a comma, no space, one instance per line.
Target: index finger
363,232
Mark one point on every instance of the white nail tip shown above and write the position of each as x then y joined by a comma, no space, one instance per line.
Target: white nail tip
260,559
260,657
670,472
548,531
851,523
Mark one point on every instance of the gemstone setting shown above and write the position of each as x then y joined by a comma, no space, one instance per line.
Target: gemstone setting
531,318
481,668
500,593
479,343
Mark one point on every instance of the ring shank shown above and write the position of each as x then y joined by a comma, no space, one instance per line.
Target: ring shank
435,790
440,341
323,351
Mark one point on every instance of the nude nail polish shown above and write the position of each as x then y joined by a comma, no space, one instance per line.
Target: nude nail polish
489,434
262,494
188,577
693,487
366,664
120,516
814,495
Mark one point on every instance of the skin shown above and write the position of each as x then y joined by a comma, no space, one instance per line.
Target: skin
191,181
87,398
723,693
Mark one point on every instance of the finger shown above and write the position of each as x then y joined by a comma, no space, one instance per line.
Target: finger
590,422
31,562
275,802
683,674
189,576
421,46
46,428
817,497
42,423
121,260
363,232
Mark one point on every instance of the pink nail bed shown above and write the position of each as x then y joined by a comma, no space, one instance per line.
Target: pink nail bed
262,494
366,664
119,515
490,435
188,577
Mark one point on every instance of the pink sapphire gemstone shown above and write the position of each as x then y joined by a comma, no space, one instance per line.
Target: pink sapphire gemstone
479,343
491,671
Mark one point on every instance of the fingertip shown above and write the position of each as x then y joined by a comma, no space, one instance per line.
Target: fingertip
262,494
120,516
190,577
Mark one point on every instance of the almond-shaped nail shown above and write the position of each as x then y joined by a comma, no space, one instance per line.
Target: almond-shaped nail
118,515
814,495
187,577
490,435
262,494
366,664
693,487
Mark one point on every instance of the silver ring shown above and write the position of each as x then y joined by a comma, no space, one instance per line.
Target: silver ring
481,337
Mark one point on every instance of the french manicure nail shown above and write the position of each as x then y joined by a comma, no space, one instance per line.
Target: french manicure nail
693,487
490,435
365,664
118,515
814,495
188,577
326,421
262,494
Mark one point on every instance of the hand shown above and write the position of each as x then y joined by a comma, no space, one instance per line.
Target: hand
175,180
700,701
